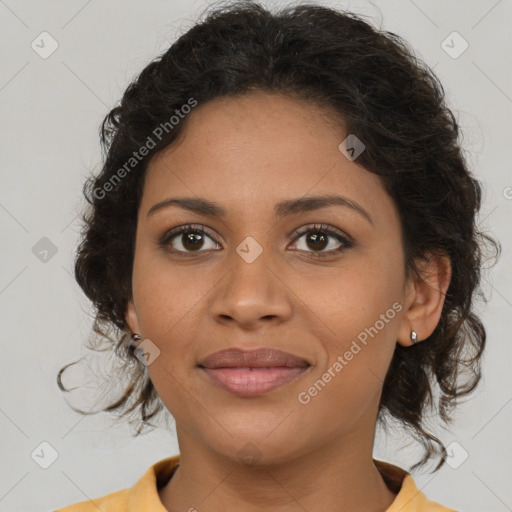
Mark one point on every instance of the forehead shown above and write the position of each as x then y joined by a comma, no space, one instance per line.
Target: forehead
259,125
258,149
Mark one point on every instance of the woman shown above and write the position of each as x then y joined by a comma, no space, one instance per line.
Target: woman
285,228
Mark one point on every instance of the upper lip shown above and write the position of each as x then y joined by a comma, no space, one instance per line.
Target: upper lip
259,358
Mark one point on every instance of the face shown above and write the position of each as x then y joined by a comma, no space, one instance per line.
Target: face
325,283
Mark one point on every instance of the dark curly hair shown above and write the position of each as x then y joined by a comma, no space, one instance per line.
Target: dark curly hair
387,97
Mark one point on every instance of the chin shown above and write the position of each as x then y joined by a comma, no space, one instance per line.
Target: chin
254,448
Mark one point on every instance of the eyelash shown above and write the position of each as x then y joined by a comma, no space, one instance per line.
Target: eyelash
322,228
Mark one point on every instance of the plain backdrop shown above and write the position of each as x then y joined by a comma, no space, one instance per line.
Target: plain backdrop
50,110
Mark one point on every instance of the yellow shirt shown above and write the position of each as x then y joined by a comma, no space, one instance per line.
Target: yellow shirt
143,496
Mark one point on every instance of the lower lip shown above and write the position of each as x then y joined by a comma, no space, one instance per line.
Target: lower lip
253,381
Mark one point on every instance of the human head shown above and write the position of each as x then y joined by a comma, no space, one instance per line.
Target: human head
371,83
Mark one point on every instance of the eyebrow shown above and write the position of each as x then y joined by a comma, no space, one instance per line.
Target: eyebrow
283,209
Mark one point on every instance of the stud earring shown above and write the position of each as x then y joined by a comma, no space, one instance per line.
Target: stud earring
414,337
135,338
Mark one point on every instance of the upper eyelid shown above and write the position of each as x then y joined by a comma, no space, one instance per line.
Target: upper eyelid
322,227
297,232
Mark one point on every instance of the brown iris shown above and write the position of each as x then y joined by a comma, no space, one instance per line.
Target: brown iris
194,239
316,237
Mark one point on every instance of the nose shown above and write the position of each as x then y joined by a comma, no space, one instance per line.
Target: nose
251,294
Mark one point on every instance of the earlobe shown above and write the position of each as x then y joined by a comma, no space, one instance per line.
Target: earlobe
131,317
425,300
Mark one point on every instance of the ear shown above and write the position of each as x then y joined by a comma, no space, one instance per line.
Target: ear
425,299
131,318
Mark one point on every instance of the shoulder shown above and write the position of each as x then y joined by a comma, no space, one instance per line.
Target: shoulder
142,496
408,497
411,499
115,501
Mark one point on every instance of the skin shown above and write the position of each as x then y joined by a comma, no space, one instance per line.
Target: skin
247,154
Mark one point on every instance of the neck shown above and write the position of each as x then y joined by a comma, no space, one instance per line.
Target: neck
336,476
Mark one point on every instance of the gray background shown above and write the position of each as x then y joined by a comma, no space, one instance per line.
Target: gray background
50,111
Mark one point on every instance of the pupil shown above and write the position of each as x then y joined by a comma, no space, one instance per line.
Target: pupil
316,240
316,237
194,239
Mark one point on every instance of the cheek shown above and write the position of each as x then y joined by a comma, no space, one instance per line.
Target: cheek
170,303
362,307
355,297
167,294
363,318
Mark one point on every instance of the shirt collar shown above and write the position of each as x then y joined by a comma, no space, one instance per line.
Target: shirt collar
144,494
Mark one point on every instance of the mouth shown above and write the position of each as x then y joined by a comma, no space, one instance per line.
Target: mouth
252,373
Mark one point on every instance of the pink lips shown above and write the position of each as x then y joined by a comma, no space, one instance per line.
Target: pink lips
252,373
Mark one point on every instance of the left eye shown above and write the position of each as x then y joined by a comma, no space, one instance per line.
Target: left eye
318,239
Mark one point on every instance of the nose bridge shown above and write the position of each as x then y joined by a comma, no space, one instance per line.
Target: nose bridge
250,290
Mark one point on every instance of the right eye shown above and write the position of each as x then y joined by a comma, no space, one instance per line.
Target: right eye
187,239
